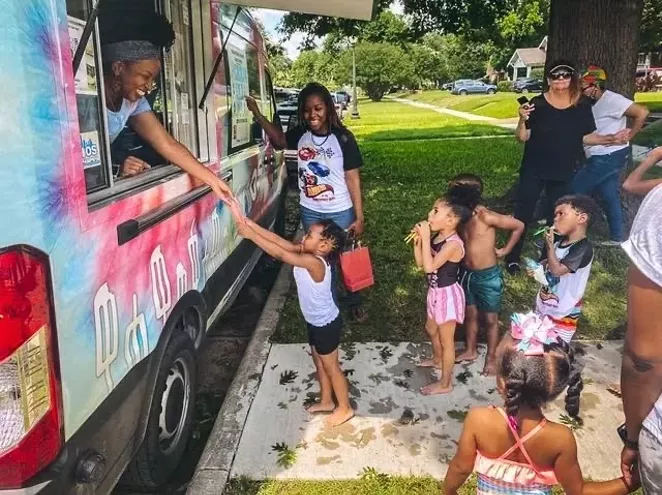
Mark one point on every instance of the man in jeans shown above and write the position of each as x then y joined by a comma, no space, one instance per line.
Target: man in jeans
602,171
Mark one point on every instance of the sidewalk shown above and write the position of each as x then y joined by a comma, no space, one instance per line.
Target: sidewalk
505,123
397,430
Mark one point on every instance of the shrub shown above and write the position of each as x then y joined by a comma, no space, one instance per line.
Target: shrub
505,86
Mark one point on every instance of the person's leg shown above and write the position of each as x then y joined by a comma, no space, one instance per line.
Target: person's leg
432,330
609,191
587,178
446,333
344,411
325,403
492,325
528,193
309,218
471,324
352,299
471,318
650,463
553,191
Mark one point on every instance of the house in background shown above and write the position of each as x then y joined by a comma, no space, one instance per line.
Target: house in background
524,60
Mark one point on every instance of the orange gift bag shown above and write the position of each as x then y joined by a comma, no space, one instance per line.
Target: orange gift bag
356,267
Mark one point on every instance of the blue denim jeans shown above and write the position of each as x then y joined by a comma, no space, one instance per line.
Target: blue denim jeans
344,219
601,175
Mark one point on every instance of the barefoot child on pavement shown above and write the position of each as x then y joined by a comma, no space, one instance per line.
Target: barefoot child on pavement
481,277
312,259
439,255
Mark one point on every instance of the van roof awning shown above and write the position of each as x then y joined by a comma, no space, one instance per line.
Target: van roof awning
350,9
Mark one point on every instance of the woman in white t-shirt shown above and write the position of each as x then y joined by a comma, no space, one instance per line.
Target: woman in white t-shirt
329,161
641,375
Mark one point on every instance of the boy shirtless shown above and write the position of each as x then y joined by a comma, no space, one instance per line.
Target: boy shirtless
482,280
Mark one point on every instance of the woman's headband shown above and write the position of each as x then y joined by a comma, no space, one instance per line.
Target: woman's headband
130,51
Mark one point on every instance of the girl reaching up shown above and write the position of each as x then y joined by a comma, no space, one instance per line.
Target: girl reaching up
514,449
312,259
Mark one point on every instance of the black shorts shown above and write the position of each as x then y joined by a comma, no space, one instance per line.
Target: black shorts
325,339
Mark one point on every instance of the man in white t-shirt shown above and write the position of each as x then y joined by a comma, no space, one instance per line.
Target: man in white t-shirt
601,173
641,374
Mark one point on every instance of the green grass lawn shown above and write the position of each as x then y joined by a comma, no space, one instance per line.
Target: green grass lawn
502,105
653,100
404,173
370,484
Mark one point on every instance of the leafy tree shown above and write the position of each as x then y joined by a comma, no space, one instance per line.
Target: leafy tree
650,31
428,65
304,68
386,28
379,67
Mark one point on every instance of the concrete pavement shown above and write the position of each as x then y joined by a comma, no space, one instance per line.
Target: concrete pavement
398,431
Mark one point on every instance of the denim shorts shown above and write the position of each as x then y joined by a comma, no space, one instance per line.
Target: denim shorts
343,218
483,288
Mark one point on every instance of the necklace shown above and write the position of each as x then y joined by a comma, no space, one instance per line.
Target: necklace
312,138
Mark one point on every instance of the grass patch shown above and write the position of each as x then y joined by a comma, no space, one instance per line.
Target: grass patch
370,483
652,100
503,105
402,177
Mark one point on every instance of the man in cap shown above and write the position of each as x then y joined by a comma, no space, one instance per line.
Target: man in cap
602,171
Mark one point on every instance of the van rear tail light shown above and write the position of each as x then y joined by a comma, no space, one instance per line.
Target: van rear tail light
30,404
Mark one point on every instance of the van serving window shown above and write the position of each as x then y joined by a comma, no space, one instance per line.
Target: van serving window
172,99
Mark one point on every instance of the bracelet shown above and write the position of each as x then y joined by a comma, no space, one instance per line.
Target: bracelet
631,444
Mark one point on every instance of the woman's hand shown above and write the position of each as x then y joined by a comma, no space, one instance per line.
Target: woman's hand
500,253
222,190
358,227
252,105
525,110
133,166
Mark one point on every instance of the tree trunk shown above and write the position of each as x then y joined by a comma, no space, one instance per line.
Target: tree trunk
601,32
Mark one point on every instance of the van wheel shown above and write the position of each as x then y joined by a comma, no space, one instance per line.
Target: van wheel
170,417
490,91
463,92
525,91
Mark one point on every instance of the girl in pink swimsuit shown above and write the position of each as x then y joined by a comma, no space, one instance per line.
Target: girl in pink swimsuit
515,450
439,250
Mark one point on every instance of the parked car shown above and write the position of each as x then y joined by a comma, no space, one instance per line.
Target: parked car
465,87
344,95
527,84
447,86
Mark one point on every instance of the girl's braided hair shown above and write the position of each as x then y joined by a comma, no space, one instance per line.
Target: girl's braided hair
537,380
335,235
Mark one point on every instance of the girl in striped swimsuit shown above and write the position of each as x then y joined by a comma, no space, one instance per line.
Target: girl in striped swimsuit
440,255
514,450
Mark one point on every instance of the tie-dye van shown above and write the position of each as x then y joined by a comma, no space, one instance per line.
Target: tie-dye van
108,285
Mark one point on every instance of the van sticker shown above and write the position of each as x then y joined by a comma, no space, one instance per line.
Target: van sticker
241,129
89,143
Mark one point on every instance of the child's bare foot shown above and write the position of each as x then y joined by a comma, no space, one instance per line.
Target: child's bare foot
339,417
466,357
429,363
436,388
490,368
321,407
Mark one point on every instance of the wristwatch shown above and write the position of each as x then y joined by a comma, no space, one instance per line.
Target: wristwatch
631,444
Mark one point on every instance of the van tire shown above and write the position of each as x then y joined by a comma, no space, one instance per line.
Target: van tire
158,458
490,91
463,92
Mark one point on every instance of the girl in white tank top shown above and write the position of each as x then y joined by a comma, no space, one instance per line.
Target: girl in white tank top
312,259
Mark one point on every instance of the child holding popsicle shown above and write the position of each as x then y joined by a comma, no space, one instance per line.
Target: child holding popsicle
439,250
565,264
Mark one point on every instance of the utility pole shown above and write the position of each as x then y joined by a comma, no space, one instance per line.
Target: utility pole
355,103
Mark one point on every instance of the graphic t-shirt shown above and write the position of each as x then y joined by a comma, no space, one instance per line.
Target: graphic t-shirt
609,114
323,161
555,147
562,297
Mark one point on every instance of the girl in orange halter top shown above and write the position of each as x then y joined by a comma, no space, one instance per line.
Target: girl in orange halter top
514,450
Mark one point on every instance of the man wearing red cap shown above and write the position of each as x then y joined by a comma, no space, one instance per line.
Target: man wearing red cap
602,171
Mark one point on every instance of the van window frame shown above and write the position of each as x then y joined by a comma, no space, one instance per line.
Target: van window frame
114,189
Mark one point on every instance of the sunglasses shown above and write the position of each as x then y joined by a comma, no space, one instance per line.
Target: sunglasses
556,76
